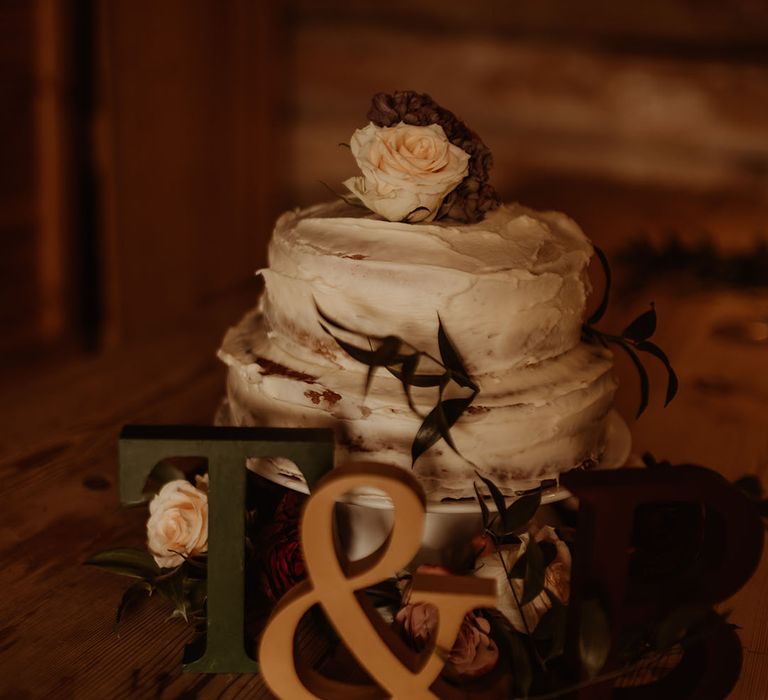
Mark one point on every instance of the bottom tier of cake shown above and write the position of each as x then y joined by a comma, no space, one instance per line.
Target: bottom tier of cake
527,425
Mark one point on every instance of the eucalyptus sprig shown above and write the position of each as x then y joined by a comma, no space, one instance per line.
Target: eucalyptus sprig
634,339
402,360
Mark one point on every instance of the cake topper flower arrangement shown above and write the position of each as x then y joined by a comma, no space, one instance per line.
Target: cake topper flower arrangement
420,162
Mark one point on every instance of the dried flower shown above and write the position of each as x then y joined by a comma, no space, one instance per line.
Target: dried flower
280,559
473,654
473,197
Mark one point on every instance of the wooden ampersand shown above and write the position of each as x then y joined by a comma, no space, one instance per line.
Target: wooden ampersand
335,584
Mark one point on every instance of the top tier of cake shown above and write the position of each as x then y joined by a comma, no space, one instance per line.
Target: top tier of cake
510,290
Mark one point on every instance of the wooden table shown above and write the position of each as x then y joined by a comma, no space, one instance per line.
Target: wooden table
58,463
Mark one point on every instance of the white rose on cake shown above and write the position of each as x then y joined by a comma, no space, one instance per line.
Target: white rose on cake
178,522
407,170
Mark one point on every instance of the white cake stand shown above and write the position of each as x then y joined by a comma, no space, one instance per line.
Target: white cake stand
363,521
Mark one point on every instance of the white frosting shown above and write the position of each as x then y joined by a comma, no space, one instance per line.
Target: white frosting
528,424
511,289
511,293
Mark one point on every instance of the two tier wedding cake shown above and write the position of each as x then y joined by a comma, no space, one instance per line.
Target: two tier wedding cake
421,260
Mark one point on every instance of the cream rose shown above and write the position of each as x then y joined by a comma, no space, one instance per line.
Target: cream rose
178,522
557,580
407,170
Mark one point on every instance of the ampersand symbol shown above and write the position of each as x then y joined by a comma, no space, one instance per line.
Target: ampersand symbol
336,585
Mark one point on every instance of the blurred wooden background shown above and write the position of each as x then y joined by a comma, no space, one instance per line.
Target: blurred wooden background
147,147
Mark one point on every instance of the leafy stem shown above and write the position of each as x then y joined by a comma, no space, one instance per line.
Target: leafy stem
402,360
634,339
501,529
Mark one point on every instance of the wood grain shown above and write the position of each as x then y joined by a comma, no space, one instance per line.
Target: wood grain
190,97
59,505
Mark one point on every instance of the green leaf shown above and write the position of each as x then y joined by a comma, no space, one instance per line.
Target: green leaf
512,647
420,380
599,312
676,625
360,354
552,623
134,563
451,358
483,507
750,486
384,355
522,671
196,593
331,321
133,596
643,327
519,512
594,637
443,426
548,551
164,472
519,567
552,626
173,588
533,583
198,564
672,381
644,388
408,367
437,425
380,357
496,495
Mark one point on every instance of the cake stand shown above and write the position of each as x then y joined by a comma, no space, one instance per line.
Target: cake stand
363,521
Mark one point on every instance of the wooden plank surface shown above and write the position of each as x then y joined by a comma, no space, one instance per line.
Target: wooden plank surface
58,500
58,460
192,155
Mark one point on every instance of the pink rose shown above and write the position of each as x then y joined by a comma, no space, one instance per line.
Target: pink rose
473,654
418,622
